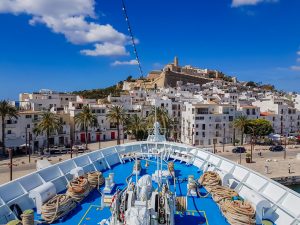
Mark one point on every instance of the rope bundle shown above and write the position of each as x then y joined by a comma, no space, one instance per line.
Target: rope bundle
95,179
57,207
220,193
137,165
181,204
210,180
28,217
79,188
171,166
238,212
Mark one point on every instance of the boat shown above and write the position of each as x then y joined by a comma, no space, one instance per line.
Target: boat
150,182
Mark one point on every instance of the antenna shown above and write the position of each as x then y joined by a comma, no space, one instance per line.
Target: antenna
132,38
155,89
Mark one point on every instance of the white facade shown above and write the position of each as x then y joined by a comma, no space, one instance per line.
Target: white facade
206,124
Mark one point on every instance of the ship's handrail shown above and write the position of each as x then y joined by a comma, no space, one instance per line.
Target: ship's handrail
285,205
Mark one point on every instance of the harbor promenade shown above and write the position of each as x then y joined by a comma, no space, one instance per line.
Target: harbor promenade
270,164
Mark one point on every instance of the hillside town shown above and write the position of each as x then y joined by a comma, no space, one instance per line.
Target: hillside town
201,106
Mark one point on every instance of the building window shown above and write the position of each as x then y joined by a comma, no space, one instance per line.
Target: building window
28,125
8,131
203,134
197,133
27,116
203,126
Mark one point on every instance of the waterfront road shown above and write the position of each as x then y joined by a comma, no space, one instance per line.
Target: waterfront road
275,162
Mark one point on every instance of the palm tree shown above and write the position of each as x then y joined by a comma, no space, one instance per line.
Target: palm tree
85,119
240,123
116,115
6,110
49,124
162,116
136,126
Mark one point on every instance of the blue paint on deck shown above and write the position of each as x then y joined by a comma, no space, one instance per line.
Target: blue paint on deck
200,211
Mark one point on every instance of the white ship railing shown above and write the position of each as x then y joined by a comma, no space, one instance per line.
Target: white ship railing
285,203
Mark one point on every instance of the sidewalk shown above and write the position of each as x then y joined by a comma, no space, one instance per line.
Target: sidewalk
22,166
277,166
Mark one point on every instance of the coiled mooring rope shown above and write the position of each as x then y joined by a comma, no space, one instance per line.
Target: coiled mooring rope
57,207
220,193
137,165
171,168
79,188
210,180
237,212
28,217
95,179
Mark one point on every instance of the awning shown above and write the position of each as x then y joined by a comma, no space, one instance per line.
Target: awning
14,143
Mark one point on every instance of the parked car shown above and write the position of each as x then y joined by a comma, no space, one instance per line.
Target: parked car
276,148
239,150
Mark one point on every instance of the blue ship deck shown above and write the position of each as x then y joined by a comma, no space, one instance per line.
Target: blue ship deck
202,211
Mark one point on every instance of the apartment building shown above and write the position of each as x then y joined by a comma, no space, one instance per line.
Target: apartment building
20,131
45,100
282,114
207,123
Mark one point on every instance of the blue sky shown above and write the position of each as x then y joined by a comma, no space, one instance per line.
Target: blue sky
74,45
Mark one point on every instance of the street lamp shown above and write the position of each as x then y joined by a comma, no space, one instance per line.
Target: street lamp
284,152
10,152
100,137
27,141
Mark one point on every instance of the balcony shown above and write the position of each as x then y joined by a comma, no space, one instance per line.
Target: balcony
11,125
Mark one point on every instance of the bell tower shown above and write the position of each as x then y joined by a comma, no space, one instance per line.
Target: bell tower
176,61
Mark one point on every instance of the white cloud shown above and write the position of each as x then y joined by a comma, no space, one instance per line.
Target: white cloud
295,68
69,17
298,53
122,63
237,3
298,60
106,49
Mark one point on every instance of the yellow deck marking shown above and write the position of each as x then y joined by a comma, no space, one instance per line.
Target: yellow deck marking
87,211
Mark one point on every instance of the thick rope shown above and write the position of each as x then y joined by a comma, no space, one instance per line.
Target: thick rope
79,188
171,168
181,204
57,207
237,212
95,179
27,217
137,165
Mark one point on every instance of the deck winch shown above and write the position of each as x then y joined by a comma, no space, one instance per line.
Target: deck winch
42,194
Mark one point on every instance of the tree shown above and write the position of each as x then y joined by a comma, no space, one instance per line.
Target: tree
116,115
251,84
6,110
129,78
49,124
85,119
240,123
136,126
163,118
257,128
